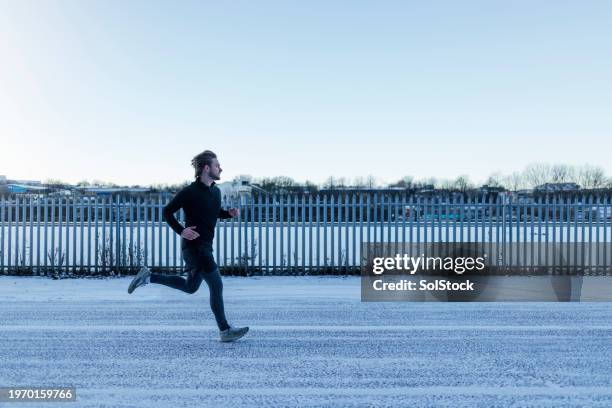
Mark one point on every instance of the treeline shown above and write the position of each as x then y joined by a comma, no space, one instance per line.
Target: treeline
587,177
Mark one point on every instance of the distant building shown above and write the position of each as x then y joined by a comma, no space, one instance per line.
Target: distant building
238,189
487,189
555,187
26,182
24,188
362,190
20,186
107,191
523,197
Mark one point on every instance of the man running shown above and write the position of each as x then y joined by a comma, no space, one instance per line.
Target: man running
201,201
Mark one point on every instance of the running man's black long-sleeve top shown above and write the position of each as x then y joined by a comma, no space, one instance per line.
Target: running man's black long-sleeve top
202,206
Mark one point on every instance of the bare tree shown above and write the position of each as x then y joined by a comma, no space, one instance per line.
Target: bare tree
56,183
310,187
331,182
167,187
537,174
359,182
591,176
444,184
462,183
276,184
432,181
514,181
562,173
495,180
100,183
371,181
404,182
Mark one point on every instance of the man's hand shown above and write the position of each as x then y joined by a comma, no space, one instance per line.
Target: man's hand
234,212
189,233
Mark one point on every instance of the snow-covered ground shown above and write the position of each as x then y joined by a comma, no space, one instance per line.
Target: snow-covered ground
312,343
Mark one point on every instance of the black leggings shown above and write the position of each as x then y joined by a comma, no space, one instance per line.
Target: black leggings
192,284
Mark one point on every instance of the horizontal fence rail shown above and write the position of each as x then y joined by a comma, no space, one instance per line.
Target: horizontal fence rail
279,234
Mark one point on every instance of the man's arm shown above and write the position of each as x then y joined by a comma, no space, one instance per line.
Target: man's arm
231,213
173,206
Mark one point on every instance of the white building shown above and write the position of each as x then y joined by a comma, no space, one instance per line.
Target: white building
239,189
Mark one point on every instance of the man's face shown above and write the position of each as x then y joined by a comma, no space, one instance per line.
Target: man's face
214,170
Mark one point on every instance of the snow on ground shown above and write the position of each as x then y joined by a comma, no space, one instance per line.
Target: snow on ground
312,343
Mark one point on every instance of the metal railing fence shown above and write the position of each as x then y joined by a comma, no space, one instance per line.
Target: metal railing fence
306,233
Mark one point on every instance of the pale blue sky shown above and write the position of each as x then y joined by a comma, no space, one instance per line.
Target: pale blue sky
129,91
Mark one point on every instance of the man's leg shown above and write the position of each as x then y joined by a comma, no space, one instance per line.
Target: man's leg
189,285
215,285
